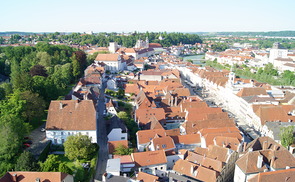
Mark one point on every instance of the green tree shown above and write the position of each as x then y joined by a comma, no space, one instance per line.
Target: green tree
123,150
34,106
287,136
123,115
79,147
76,67
51,164
26,162
64,168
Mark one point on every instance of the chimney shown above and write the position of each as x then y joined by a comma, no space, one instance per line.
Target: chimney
244,148
60,105
14,177
287,167
259,161
264,145
192,170
251,149
223,145
175,103
273,158
37,180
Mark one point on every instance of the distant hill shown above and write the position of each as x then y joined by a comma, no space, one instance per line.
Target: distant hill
251,34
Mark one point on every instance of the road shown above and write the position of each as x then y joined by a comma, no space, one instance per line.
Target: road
101,136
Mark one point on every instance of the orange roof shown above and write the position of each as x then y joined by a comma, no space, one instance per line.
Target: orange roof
107,57
23,176
144,115
274,176
187,139
124,158
145,177
163,143
145,136
250,91
66,115
149,158
114,144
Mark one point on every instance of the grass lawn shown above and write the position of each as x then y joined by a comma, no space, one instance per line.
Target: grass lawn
80,174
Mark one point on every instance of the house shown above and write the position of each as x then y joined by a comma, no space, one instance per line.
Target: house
144,137
110,108
113,62
151,75
30,176
113,167
116,129
165,143
189,141
151,162
65,119
145,177
274,176
112,84
262,155
127,164
194,171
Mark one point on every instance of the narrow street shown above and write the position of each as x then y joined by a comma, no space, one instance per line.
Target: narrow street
101,136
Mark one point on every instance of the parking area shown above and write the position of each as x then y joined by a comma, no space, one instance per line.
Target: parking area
39,141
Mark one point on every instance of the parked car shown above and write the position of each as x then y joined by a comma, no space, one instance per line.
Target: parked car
26,145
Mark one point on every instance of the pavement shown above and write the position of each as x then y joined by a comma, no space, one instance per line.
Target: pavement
101,136
39,141
212,100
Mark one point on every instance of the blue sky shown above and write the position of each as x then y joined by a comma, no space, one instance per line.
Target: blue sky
149,15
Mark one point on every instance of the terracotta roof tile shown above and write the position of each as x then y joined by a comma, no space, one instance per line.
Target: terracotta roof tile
114,144
23,176
145,136
250,91
145,177
149,158
274,176
107,57
66,115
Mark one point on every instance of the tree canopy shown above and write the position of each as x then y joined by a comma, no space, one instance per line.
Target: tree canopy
78,147
287,136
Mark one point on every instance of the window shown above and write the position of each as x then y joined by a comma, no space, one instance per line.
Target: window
62,141
62,133
122,138
164,146
161,167
55,141
54,133
87,133
156,168
69,133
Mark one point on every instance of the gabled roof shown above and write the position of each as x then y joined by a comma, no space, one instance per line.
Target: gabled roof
218,153
250,91
163,143
66,115
145,177
273,158
145,136
187,139
262,143
149,158
107,57
287,175
273,113
23,176
144,115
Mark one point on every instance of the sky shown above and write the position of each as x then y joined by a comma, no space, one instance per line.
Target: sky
147,15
